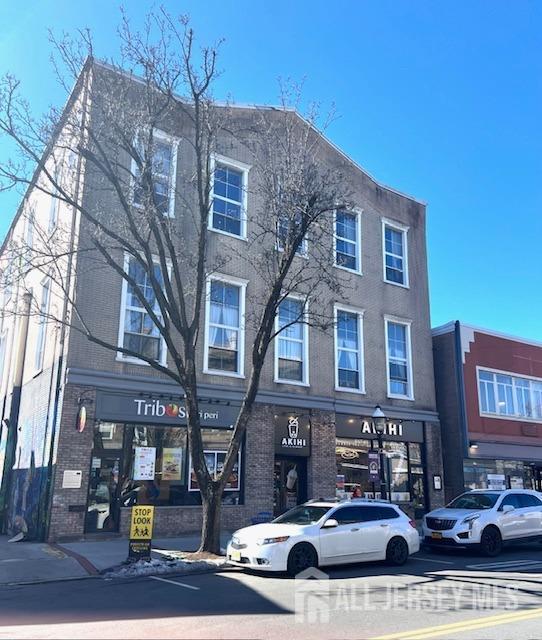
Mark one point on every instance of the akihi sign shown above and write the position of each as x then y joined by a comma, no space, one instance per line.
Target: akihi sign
292,435
118,407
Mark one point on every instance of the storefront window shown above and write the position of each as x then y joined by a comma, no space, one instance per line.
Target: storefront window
480,474
402,467
141,464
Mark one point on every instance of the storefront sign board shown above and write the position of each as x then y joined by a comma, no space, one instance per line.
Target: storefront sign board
292,435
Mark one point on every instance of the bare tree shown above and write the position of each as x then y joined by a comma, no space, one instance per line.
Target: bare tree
107,139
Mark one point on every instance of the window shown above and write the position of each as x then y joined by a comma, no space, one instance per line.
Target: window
348,515
395,253
399,364
29,235
286,230
349,350
382,513
44,309
513,499
504,394
229,201
528,500
291,356
348,240
164,163
225,335
53,207
3,349
139,332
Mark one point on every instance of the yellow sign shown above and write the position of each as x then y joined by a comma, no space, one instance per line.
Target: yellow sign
141,524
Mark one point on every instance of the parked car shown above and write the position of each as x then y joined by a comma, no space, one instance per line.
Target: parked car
320,533
486,519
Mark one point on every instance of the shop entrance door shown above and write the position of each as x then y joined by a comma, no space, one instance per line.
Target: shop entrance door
538,478
290,483
103,492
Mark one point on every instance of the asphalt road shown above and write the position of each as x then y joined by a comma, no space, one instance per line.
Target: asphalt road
459,595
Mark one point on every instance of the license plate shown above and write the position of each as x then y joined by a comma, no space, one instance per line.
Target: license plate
235,555
436,535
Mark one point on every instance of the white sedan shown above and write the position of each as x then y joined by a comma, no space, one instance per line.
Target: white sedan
320,533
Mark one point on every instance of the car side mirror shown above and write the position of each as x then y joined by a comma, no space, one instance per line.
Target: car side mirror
507,508
329,524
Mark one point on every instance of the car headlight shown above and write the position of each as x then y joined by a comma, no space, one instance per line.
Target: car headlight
470,519
262,541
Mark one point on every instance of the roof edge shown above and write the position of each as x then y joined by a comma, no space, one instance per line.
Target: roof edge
450,326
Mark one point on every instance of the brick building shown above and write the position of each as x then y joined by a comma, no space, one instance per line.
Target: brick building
311,430
489,398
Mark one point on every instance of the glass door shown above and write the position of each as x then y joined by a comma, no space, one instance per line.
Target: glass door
289,483
103,495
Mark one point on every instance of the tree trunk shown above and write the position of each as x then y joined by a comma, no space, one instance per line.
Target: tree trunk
210,528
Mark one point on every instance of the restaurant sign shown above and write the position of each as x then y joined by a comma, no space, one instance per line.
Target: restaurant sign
292,436
117,407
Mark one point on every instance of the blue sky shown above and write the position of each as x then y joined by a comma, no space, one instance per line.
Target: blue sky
441,100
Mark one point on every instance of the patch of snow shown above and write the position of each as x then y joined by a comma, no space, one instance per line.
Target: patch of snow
160,566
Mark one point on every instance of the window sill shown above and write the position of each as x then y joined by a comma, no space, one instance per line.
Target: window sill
357,272
297,383
397,284
229,374
128,360
398,397
514,418
359,392
227,233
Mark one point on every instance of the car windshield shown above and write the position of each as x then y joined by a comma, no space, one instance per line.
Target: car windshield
302,515
474,501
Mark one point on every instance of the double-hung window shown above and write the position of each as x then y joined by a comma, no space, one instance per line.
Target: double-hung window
291,353
42,323
224,350
139,332
394,237
399,359
54,204
164,168
229,197
349,350
348,240
286,229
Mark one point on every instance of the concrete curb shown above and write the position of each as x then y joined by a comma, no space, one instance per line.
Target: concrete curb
46,581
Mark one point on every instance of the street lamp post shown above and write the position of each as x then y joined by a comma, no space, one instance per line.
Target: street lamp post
379,423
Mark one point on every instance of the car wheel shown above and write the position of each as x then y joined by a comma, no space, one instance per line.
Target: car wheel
491,542
397,551
301,557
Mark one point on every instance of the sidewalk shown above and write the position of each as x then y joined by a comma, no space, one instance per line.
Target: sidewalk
25,562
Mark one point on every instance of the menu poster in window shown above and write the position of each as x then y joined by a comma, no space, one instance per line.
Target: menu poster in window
496,481
233,480
172,462
144,463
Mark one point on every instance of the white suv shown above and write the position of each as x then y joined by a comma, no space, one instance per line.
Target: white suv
322,532
486,519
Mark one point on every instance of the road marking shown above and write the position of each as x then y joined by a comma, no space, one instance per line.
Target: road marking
465,625
507,566
177,584
432,560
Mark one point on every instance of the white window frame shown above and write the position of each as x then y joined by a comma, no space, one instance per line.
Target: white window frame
407,324
54,205
41,337
122,357
163,137
303,249
516,416
396,226
306,378
358,213
361,353
215,452
244,169
242,285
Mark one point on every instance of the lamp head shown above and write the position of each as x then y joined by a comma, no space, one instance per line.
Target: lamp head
379,420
